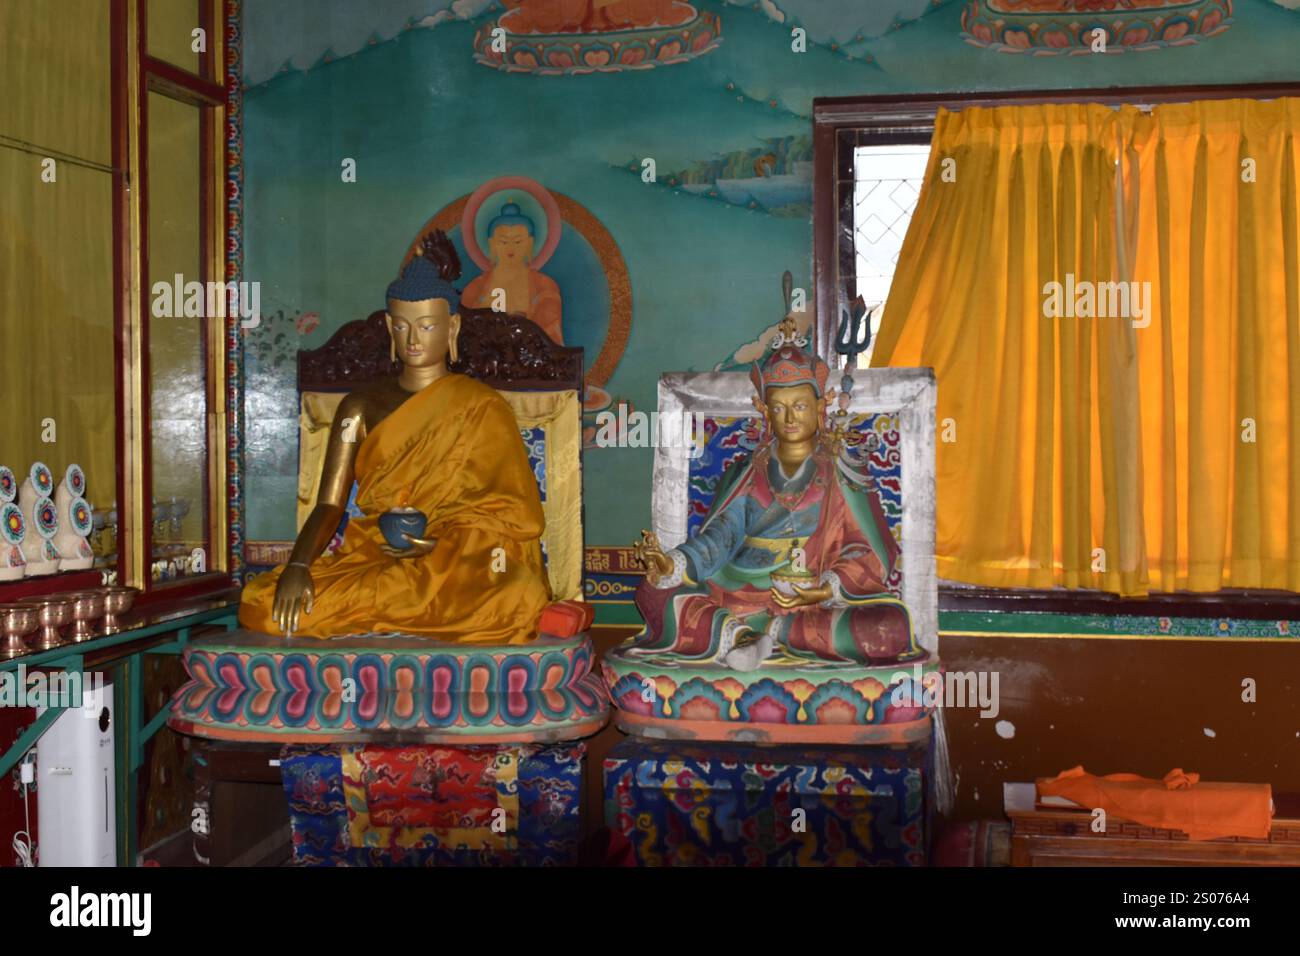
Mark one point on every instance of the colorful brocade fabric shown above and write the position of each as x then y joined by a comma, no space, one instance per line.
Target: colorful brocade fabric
731,805
434,806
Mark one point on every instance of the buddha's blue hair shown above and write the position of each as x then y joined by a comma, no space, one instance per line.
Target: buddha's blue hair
422,280
511,215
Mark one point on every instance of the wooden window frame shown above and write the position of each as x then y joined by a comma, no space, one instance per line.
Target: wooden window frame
909,119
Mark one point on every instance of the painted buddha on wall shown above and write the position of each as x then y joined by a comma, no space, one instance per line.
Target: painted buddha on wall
512,283
592,16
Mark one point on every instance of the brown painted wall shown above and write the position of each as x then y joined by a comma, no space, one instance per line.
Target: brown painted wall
1114,706
1125,706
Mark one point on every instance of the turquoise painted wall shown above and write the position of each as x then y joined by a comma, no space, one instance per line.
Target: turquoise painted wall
393,85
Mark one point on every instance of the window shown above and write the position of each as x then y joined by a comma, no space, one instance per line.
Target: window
846,131
886,184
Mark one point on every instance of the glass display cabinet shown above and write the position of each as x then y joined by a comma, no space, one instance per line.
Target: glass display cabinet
120,369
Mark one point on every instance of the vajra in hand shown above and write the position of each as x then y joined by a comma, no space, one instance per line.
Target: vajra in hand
651,555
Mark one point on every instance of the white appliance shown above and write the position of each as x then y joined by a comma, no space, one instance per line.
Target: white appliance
75,785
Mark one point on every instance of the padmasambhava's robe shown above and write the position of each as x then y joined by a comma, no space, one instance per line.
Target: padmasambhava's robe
454,452
722,581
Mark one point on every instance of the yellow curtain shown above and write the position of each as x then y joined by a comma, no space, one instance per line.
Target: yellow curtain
1216,194
56,276
1076,446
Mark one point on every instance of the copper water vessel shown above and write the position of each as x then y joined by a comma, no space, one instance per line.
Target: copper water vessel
52,613
117,601
16,622
87,608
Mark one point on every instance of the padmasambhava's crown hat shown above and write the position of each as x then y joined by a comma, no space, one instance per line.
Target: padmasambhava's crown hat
789,364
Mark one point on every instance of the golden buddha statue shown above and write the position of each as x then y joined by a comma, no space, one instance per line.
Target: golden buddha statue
427,440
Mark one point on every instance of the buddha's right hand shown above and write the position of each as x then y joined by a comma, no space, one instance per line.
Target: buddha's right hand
649,553
294,594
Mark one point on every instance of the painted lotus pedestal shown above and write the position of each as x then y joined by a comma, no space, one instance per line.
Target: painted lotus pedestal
410,684
557,37
1070,27
397,750
790,603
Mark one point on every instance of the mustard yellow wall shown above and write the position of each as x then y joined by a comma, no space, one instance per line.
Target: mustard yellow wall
56,282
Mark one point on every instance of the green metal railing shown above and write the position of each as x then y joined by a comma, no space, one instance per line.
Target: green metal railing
132,730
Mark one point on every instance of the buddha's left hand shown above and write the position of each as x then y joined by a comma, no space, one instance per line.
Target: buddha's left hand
419,546
803,597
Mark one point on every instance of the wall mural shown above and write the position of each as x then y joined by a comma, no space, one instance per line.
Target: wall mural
550,37
526,249
1086,26
636,175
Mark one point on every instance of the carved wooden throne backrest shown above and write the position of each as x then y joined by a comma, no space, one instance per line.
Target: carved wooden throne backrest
505,350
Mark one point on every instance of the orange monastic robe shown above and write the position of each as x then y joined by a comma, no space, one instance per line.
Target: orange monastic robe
453,451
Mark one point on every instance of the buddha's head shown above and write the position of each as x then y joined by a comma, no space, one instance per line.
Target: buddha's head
790,393
511,236
423,315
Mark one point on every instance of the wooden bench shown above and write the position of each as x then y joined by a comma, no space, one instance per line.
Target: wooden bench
1043,836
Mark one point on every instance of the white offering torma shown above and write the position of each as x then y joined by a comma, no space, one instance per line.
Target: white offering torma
71,487
8,484
38,484
38,544
12,528
76,521
42,520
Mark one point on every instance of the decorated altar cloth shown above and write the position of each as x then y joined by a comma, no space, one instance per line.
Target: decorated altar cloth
434,806
737,805
388,688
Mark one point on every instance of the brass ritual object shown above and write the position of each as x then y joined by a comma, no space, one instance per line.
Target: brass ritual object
117,601
87,607
16,621
52,613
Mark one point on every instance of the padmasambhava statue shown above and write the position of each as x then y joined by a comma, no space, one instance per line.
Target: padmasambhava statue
794,553
431,441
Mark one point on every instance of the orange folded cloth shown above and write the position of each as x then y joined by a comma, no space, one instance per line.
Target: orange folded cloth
1204,811
566,618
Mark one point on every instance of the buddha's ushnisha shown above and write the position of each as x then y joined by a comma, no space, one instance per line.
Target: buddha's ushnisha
427,439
